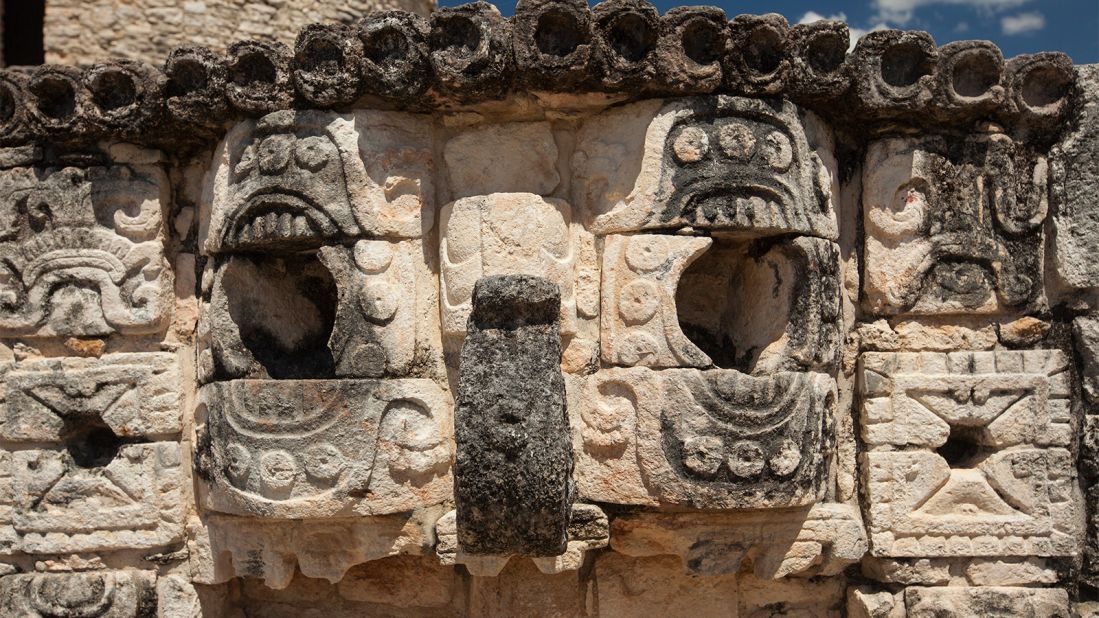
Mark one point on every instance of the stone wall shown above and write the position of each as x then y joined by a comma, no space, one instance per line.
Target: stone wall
587,312
85,31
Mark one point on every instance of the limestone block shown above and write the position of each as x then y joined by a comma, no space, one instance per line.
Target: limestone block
911,571
505,234
953,228
295,180
987,471
513,466
224,547
296,449
521,590
401,581
100,495
1085,332
996,571
588,529
1073,165
791,596
990,601
639,322
62,400
396,65
176,597
680,301
1017,572
716,163
893,73
98,594
822,540
658,586
367,310
512,157
715,439
83,251
471,53
865,602
993,400
386,318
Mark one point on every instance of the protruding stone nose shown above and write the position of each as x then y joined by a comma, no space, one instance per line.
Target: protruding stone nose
513,475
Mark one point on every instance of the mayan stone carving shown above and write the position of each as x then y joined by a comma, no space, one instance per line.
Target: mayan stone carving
588,311
987,471
84,251
512,473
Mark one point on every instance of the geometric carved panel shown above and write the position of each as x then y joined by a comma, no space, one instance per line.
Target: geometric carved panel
134,395
985,469
62,506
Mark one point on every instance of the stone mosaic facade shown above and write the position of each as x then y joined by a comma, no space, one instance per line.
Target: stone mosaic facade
585,312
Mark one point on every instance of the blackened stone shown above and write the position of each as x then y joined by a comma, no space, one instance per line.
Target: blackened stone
513,473
259,77
396,57
968,76
1074,194
328,65
693,42
55,101
626,36
819,71
759,58
195,92
13,107
553,44
893,71
125,98
1041,94
471,52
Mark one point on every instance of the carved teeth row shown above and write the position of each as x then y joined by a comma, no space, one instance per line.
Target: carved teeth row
276,226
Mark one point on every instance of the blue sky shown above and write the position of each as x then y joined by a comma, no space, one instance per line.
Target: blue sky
1017,26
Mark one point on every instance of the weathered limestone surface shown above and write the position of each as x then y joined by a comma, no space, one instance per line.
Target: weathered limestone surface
129,395
938,215
513,467
118,594
589,311
986,471
714,163
83,251
1072,162
294,449
717,438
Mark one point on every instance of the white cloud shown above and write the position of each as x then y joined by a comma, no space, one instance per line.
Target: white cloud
1023,23
902,11
963,26
856,33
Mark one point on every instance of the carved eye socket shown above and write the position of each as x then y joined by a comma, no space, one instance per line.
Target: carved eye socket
274,155
312,153
737,141
691,145
777,151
